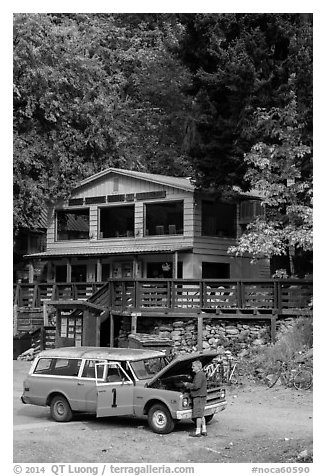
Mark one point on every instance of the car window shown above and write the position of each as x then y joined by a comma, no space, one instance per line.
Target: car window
147,368
60,367
68,367
43,366
115,373
89,369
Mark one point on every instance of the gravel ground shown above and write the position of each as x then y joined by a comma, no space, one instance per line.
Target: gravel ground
260,425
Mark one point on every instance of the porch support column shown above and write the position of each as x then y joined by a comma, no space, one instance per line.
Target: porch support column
134,267
99,270
175,265
68,270
30,272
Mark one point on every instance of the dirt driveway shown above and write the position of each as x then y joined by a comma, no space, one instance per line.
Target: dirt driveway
260,425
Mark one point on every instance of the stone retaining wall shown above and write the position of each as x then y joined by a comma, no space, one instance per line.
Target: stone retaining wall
226,334
235,336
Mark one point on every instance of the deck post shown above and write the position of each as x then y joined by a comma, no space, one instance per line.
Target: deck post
111,330
45,314
175,265
202,293
273,328
279,296
58,327
98,330
15,319
134,316
200,332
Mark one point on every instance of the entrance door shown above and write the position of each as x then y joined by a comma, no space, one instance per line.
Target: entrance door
115,390
61,273
78,273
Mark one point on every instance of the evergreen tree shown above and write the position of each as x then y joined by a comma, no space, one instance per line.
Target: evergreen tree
241,62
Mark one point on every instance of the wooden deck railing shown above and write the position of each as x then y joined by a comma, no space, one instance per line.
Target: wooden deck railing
33,295
279,295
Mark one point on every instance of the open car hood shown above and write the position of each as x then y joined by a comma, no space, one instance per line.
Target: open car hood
182,365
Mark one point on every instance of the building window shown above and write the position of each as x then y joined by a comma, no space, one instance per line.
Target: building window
164,218
37,243
116,184
73,225
117,221
163,269
250,210
215,270
218,219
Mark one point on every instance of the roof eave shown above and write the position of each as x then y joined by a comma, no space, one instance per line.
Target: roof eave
89,253
129,173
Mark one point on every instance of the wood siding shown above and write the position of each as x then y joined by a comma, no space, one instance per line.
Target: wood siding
105,186
126,186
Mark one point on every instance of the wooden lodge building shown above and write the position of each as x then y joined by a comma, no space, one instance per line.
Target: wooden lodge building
125,224
138,244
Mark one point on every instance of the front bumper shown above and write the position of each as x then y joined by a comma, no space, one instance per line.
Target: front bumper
209,410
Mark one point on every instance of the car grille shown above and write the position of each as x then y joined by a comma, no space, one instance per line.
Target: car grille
214,396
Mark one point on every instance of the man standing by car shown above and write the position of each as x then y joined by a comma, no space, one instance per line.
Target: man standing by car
198,392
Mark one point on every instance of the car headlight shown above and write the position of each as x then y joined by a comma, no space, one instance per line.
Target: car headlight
185,402
222,393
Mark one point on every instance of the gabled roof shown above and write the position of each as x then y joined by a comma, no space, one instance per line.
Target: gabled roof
182,183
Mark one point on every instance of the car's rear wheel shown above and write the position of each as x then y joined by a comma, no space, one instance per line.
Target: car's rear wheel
160,420
60,409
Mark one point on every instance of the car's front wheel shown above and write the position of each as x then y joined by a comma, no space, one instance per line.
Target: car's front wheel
160,420
60,409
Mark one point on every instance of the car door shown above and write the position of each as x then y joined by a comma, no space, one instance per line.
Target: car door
87,390
115,390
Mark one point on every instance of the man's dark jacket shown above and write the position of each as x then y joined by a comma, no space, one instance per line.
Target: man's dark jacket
198,388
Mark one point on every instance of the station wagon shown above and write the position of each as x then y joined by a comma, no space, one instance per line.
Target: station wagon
118,382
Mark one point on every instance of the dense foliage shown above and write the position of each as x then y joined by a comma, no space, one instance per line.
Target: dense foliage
275,169
202,95
241,62
89,93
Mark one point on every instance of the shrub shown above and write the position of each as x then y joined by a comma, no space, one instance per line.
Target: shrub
291,343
